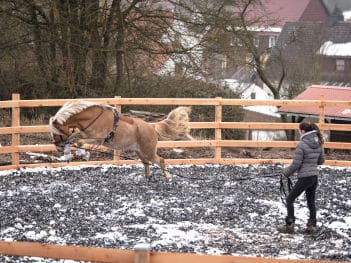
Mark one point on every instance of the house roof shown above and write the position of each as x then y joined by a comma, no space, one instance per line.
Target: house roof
296,35
315,93
292,11
333,5
304,10
335,49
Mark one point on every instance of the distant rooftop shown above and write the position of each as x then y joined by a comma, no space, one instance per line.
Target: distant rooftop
293,11
335,49
315,93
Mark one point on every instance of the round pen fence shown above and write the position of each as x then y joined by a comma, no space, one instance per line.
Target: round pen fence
217,143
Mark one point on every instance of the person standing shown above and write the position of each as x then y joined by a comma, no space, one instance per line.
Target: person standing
309,153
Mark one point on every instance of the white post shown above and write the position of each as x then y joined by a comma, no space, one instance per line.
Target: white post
142,253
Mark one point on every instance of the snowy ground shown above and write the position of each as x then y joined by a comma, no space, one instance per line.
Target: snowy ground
205,209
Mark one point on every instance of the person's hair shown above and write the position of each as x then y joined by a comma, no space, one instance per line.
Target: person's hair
307,126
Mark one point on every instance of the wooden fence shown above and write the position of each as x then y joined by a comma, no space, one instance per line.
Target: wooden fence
147,256
140,254
217,143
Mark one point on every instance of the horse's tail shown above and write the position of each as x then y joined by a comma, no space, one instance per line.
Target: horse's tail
175,126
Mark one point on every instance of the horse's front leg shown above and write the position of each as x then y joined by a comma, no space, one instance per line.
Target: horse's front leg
147,169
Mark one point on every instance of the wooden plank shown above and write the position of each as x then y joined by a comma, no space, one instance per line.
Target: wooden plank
25,129
337,145
200,161
200,125
302,103
52,102
112,101
258,144
109,255
167,101
335,127
193,258
186,144
338,163
28,148
34,249
259,125
174,101
180,144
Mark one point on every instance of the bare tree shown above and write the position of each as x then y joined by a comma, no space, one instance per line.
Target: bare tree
97,48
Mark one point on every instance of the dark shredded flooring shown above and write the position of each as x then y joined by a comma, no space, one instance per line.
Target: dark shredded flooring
211,209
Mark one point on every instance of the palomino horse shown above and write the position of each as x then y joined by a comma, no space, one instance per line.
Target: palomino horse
102,125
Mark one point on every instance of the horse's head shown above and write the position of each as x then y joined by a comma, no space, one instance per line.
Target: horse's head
59,134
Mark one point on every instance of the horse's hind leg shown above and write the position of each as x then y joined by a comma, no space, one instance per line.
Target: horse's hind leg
157,160
163,167
161,162
146,164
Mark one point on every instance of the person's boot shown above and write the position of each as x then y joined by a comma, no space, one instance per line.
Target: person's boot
288,228
311,226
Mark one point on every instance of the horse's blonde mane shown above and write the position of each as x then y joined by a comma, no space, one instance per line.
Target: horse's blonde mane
67,110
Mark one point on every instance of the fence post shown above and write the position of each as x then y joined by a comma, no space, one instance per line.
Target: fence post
15,112
117,153
218,131
321,114
142,253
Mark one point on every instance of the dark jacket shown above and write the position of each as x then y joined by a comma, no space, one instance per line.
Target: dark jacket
308,155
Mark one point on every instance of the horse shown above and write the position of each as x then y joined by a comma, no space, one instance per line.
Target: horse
101,124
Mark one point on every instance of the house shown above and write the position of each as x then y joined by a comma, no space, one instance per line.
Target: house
273,16
260,113
280,32
312,52
242,84
337,114
266,22
280,12
276,16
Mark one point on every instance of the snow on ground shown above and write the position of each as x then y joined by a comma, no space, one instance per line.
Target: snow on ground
211,209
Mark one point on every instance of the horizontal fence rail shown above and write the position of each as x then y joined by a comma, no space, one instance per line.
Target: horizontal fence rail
140,254
16,130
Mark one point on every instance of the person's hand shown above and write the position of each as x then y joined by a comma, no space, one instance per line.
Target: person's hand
283,174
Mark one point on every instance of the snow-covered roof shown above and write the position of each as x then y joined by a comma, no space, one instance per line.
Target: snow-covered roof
335,49
347,15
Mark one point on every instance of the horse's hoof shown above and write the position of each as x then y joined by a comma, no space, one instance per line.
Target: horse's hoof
169,178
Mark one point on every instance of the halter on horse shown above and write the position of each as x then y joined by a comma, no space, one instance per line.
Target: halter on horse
102,125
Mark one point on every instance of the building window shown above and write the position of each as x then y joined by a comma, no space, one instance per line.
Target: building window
256,41
271,41
253,96
340,65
